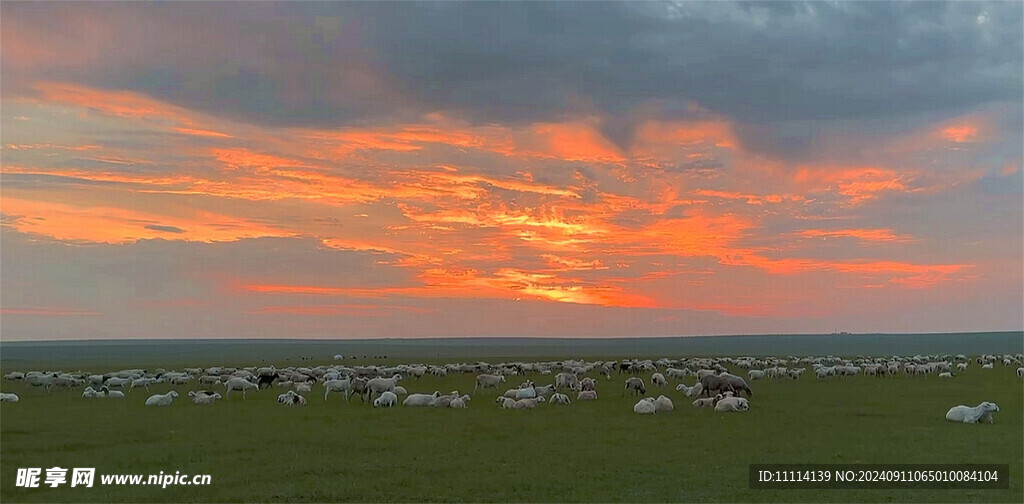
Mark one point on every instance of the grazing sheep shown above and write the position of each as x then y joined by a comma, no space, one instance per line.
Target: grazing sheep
732,404
342,386
567,380
486,381
420,399
400,390
387,399
545,390
291,398
645,406
636,385
142,382
663,403
658,380
587,395
987,366
560,398
9,397
755,374
161,399
377,386
966,414
204,397
1020,372
961,367
15,375
359,386
239,384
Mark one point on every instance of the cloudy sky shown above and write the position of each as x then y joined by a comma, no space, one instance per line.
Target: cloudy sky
525,169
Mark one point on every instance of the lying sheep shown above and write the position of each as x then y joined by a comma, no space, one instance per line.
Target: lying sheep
947,374
420,399
506,403
161,399
528,403
967,414
117,394
732,404
663,404
399,390
459,402
12,398
645,406
387,399
204,397
90,393
291,398
705,402
559,399
587,395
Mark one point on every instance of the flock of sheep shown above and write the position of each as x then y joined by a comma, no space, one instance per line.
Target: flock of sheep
714,386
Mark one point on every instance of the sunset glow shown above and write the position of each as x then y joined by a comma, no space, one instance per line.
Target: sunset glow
317,184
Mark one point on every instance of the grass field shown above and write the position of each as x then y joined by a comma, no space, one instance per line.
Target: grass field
256,450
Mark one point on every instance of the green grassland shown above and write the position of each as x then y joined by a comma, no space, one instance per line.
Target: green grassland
257,450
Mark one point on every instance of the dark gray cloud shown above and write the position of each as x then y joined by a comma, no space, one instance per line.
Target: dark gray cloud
166,229
354,63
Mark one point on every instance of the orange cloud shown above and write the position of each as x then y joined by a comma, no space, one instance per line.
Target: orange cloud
100,224
877,235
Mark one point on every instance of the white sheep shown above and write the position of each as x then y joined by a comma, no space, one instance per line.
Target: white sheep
337,386
705,402
161,399
400,390
486,381
663,403
645,406
528,403
732,404
377,386
90,393
239,384
291,398
658,380
967,414
387,399
117,394
987,366
961,367
421,399
459,402
506,403
204,398
560,399
755,374
1020,372
947,374
587,395
12,398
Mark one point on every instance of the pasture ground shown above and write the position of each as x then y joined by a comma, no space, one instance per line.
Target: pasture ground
259,451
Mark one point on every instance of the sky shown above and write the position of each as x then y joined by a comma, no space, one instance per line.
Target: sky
366,170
